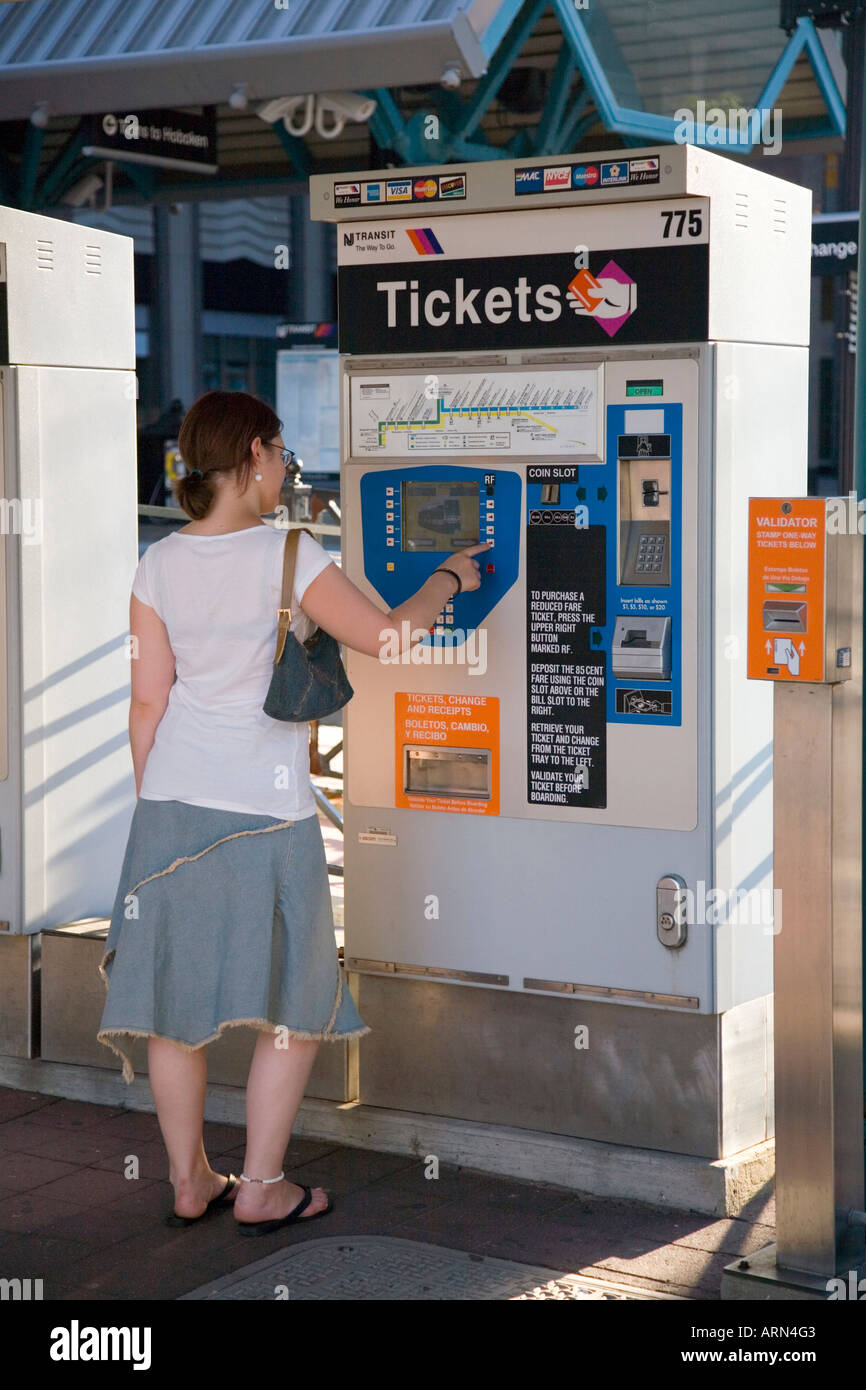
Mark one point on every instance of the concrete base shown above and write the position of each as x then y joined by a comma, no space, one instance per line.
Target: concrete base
20,995
720,1187
757,1279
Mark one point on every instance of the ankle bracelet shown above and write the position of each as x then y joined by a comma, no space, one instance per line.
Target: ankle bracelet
244,1178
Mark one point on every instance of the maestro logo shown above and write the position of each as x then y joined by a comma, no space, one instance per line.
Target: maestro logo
584,175
610,298
424,241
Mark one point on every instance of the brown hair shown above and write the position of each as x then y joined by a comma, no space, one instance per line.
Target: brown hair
215,437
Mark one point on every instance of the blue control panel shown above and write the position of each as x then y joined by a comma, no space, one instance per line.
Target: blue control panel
651,588
413,518
634,580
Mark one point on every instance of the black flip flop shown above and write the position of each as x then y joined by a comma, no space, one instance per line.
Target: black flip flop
172,1219
264,1228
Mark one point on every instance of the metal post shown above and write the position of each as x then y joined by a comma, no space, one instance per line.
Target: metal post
178,302
817,963
818,940
857,119
311,283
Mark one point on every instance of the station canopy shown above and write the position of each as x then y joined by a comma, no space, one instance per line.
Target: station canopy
504,78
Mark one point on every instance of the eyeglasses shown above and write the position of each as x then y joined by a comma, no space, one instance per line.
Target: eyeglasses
288,455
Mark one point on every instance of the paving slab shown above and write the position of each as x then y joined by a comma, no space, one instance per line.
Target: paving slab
383,1268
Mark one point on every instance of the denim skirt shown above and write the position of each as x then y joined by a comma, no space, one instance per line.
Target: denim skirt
221,919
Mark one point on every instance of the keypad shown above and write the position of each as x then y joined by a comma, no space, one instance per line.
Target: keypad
651,554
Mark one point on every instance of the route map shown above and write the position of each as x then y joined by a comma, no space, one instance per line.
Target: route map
544,413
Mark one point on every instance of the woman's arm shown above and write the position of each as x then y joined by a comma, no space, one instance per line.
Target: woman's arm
152,676
337,605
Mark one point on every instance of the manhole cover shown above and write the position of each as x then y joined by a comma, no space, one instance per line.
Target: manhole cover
387,1268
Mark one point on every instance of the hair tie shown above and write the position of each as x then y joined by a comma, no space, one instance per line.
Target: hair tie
196,473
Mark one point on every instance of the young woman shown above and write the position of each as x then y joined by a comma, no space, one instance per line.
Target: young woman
223,912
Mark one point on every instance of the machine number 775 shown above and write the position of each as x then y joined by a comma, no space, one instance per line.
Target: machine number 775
696,222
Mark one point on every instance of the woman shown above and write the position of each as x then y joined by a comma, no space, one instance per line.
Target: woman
223,913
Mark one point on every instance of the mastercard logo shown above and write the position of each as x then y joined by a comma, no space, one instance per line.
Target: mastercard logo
426,188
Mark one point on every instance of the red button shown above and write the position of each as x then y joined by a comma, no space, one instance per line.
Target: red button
490,569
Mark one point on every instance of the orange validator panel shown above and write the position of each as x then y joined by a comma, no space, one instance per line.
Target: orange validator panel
447,753
787,584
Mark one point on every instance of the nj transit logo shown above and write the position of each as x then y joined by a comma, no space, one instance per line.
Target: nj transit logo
424,241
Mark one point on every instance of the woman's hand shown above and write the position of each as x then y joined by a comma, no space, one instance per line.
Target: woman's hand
338,606
462,563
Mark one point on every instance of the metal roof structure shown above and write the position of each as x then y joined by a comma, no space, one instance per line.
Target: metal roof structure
536,78
97,55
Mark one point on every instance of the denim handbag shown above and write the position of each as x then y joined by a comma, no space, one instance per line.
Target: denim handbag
308,680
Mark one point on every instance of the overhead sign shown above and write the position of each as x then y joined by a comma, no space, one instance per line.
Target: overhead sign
787,544
835,243
322,334
563,277
166,139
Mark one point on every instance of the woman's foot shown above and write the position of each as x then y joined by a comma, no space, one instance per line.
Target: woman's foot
272,1201
191,1195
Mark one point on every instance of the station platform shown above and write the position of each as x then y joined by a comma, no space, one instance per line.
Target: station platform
68,1214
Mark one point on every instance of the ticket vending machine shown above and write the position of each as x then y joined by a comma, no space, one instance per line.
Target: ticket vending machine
68,551
558,810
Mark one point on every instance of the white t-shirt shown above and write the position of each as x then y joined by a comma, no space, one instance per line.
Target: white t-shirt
218,598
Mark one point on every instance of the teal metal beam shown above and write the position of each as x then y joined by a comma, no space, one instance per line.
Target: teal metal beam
142,176
29,164
569,126
546,141
646,124
293,146
501,64
499,25
805,37
57,171
387,125
76,171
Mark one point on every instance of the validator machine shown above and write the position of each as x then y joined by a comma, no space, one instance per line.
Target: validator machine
558,806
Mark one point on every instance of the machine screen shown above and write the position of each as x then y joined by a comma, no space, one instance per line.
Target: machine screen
439,515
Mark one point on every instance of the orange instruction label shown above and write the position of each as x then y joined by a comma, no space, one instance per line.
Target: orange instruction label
447,753
787,548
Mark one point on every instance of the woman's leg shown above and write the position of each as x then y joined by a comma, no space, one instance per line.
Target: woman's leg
178,1078
277,1081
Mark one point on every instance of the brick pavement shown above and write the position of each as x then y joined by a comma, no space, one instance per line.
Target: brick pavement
69,1216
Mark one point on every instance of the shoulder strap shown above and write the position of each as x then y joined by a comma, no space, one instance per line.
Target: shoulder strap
284,613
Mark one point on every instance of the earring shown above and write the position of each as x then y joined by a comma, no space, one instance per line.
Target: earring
258,477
